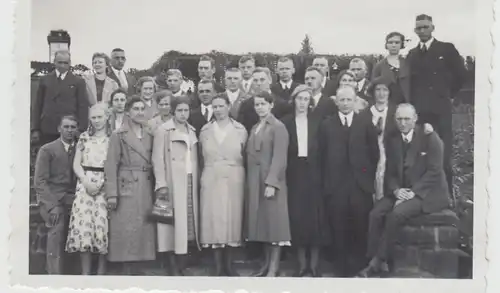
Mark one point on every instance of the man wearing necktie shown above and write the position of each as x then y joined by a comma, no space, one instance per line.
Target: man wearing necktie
55,184
416,185
247,66
349,153
202,115
285,86
59,93
359,68
437,75
117,73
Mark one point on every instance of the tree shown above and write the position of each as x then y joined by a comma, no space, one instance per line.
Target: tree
307,48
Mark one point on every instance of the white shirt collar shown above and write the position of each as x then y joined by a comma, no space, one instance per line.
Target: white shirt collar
316,98
408,136
378,113
61,75
361,84
287,84
323,83
427,44
207,108
178,93
233,96
65,144
349,117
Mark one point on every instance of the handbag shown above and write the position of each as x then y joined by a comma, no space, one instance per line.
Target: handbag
162,211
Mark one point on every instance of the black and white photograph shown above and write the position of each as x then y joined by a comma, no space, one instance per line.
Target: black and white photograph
313,143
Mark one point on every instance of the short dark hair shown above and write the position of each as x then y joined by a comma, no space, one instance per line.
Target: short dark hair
68,117
312,68
423,17
344,72
206,81
246,58
376,82
117,50
222,96
395,34
266,96
283,59
158,96
114,93
208,58
131,102
176,101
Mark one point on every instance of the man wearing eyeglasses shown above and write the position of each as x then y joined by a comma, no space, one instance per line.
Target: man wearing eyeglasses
437,75
59,93
116,71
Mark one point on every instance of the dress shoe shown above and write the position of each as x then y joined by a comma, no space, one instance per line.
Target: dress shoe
301,273
368,272
262,272
316,273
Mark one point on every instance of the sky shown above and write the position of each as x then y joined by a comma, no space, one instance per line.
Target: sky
147,28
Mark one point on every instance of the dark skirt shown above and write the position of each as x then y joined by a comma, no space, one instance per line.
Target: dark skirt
308,221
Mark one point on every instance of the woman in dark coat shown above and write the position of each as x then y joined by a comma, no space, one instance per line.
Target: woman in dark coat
395,69
308,224
267,218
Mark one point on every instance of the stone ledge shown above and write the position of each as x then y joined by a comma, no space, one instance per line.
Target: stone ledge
442,218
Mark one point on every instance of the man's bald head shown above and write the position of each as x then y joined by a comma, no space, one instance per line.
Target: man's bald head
406,117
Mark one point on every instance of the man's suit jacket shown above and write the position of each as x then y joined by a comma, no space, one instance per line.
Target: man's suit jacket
330,88
363,93
197,120
277,90
131,81
248,117
54,179
56,99
363,153
436,77
422,167
235,107
109,87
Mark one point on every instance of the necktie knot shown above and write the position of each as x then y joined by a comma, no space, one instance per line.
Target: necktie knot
424,48
346,123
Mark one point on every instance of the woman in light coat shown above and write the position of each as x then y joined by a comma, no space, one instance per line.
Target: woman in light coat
222,185
267,204
175,162
129,189
99,85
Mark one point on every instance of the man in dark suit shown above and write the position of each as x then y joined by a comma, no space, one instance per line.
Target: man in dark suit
359,68
200,116
437,74
323,106
415,185
285,86
349,155
247,65
262,81
329,87
206,71
125,80
55,188
59,93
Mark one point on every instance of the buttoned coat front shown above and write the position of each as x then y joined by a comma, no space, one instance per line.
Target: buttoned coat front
170,149
222,184
267,218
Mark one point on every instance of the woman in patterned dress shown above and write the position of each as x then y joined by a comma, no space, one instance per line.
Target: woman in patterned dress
88,228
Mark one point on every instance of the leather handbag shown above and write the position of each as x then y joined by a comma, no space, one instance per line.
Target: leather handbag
162,211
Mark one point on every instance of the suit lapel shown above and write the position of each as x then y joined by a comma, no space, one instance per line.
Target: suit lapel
129,138
91,86
107,89
112,75
414,148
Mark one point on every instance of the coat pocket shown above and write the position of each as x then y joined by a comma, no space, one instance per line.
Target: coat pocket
126,183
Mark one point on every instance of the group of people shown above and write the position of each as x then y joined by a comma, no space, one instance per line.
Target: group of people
325,165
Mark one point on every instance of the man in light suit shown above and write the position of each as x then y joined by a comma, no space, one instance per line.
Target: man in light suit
329,86
59,93
359,68
55,188
233,78
125,80
415,185
285,86
437,75
247,66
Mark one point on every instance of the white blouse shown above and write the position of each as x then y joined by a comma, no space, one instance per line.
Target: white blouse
301,122
376,115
